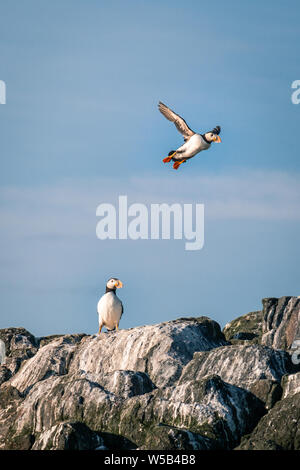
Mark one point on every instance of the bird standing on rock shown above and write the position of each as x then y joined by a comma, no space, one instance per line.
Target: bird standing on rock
194,143
110,307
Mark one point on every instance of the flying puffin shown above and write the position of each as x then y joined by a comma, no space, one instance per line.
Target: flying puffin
110,307
193,142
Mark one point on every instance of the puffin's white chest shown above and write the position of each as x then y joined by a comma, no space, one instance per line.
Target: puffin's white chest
193,146
109,310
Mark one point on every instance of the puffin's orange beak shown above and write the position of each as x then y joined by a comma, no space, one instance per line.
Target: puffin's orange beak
118,284
217,139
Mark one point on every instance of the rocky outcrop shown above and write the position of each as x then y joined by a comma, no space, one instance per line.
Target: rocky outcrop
17,345
240,365
52,359
160,350
268,391
290,385
5,374
176,385
18,342
281,322
165,437
68,436
247,328
278,430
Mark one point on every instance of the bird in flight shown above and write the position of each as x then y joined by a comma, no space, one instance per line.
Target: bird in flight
110,307
193,142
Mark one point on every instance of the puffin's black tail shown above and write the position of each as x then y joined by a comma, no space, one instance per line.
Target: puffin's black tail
171,153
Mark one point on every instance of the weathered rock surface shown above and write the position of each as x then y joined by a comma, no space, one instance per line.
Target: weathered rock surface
210,407
5,374
175,385
19,345
165,437
245,328
216,411
268,391
160,350
290,385
281,322
240,365
52,359
68,436
279,429
18,341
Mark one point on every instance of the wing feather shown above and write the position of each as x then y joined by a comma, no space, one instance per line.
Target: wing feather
179,122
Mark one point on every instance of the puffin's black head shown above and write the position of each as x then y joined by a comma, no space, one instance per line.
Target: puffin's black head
216,130
112,284
213,136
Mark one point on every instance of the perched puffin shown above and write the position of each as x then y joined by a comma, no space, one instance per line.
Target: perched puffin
194,143
110,307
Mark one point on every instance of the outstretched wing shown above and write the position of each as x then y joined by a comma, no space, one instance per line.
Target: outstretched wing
179,122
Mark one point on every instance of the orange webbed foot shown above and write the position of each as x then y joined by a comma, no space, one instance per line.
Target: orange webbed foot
169,157
177,164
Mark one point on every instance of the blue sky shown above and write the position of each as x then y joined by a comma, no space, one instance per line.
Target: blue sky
81,126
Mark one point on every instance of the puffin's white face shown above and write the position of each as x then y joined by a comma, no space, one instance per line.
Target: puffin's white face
211,137
114,283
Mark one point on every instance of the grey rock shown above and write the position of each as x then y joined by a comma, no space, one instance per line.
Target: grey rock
47,339
121,383
17,340
78,436
52,359
210,407
281,322
76,378
163,437
221,413
10,400
247,327
175,385
5,374
161,351
277,430
126,383
68,436
240,365
268,391
20,345
290,384
51,401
